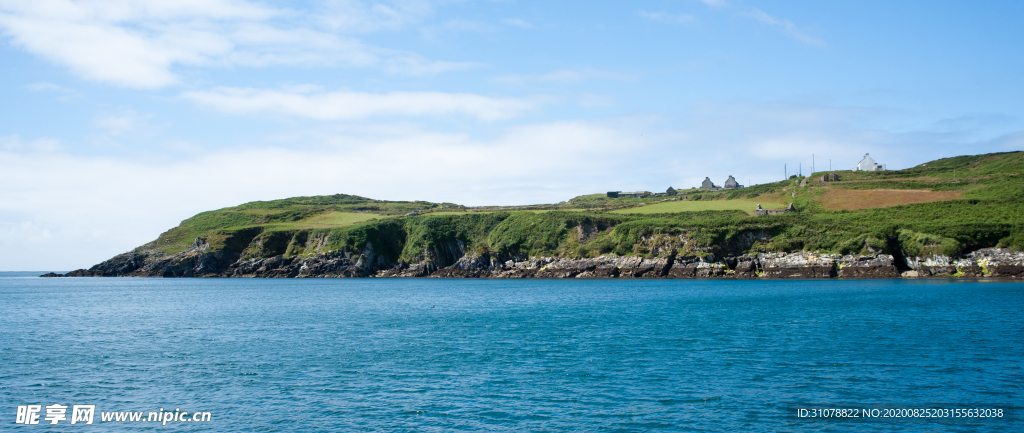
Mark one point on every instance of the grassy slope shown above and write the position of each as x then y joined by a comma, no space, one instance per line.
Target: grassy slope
991,213
229,226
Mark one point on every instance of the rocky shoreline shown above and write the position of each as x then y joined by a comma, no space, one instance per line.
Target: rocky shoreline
452,261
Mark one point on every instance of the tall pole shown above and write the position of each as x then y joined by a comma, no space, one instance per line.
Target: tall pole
800,169
812,163
785,171
830,164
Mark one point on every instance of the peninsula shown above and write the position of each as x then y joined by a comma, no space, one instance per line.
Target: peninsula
953,217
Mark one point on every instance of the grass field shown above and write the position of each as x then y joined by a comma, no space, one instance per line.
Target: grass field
701,205
851,199
334,219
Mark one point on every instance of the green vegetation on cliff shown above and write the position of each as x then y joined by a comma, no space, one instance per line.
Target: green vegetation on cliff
982,207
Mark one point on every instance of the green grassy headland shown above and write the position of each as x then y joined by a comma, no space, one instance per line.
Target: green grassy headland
988,211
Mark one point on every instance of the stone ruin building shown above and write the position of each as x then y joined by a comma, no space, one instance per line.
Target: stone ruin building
731,183
761,211
635,194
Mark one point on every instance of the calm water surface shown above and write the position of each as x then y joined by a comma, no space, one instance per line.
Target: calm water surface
535,355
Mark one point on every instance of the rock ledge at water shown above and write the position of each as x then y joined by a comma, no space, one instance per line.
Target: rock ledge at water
452,261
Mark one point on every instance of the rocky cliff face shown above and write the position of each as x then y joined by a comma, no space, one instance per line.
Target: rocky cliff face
451,260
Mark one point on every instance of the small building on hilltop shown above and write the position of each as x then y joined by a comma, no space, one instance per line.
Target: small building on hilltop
708,184
671,191
731,183
868,164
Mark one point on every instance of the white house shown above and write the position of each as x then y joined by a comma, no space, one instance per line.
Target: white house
868,164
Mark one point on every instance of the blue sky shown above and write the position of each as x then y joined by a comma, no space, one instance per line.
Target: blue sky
119,119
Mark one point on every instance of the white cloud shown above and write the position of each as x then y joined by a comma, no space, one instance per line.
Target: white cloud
95,52
357,105
787,26
138,44
669,18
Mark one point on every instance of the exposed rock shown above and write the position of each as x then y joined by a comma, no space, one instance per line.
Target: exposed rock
999,262
987,262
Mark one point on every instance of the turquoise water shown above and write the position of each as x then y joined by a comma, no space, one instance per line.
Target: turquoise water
533,355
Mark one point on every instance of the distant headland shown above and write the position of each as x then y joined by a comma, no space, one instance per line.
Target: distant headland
953,217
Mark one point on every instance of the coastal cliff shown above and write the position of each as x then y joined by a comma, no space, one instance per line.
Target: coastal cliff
455,262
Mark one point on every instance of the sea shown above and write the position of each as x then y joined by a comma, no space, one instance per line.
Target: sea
440,355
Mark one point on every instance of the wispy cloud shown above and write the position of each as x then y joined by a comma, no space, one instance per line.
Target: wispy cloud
362,16
467,25
590,100
669,18
46,87
416,65
516,22
119,122
64,92
787,27
1009,142
562,76
715,3
14,143
359,105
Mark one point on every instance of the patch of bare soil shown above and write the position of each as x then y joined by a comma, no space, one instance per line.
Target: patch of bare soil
850,199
